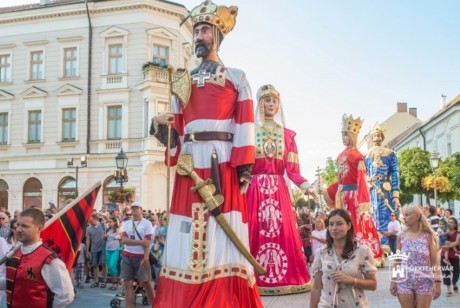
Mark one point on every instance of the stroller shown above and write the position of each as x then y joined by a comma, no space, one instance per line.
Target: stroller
139,292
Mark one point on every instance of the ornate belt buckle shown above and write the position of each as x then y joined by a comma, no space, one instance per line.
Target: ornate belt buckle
192,136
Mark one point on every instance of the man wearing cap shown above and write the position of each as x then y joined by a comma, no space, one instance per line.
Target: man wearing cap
215,125
136,237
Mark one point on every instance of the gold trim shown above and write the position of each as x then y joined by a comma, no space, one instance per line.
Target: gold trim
293,158
274,291
198,277
182,87
276,134
199,251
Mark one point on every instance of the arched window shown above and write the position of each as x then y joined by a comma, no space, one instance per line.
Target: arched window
109,185
66,191
3,194
32,194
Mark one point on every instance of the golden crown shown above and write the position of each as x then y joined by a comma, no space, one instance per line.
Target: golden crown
351,125
379,129
224,18
267,90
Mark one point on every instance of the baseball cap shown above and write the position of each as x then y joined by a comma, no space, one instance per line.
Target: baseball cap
136,204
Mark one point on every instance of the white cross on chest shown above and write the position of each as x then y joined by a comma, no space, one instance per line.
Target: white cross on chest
201,78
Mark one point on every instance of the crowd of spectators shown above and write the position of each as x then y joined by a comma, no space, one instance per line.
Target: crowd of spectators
98,260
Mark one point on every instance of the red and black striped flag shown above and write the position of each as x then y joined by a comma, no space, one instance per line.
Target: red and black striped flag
63,232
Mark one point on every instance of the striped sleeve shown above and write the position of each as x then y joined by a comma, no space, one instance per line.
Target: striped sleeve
243,151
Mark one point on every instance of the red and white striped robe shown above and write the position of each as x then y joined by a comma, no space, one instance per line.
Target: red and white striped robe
201,267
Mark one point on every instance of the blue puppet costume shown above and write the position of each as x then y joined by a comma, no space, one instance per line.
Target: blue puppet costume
383,176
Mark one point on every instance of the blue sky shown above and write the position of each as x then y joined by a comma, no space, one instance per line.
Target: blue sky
332,57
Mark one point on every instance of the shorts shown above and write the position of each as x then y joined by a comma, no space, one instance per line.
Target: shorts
421,286
97,258
131,269
307,251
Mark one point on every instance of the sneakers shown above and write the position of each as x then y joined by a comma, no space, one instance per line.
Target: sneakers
449,291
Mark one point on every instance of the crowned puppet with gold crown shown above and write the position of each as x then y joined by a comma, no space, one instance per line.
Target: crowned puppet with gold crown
351,191
383,176
212,141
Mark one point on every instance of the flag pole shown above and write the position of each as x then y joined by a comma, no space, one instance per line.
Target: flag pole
10,253
71,204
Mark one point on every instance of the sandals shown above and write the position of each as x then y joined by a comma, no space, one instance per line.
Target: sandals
103,284
95,285
114,287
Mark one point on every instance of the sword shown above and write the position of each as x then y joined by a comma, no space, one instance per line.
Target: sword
385,200
206,190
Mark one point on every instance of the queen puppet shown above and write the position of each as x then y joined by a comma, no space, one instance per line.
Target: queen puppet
273,235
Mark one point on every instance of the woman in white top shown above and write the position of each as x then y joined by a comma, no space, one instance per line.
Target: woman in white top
318,235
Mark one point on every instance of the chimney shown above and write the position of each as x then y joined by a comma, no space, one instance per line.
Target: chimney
413,111
401,107
442,101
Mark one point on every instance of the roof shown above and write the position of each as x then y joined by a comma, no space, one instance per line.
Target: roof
393,142
53,3
401,137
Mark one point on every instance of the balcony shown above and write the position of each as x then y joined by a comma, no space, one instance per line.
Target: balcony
114,81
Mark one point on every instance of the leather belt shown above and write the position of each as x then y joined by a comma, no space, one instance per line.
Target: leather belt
379,178
348,187
208,136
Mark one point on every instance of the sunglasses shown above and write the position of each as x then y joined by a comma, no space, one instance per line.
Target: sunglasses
393,215
129,215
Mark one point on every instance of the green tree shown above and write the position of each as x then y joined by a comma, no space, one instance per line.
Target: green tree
449,168
297,196
455,180
414,165
330,171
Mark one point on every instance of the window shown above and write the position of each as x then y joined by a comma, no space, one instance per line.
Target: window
69,124
34,125
160,55
114,122
70,62
115,59
5,68
3,128
36,65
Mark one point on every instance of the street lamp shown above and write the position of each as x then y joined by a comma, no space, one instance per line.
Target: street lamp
83,164
121,175
434,161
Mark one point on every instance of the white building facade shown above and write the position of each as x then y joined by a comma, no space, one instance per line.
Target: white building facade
441,132
72,85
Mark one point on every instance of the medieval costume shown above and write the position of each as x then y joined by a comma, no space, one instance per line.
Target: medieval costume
35,274
201,266
273,234
351,191
383,176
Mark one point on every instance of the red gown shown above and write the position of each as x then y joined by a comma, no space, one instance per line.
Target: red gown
201,266
351,192
273,233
